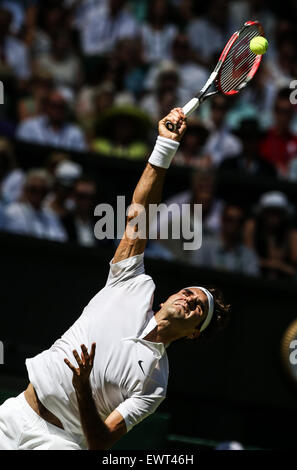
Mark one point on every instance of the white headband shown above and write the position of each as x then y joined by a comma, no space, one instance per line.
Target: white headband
210,306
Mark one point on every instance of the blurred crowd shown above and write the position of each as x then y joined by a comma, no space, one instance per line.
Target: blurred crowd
96,76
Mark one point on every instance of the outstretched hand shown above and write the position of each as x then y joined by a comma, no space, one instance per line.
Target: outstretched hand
177,117
85,363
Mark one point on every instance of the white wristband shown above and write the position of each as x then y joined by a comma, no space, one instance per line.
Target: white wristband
163,152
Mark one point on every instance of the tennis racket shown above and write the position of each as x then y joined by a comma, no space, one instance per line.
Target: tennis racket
236,67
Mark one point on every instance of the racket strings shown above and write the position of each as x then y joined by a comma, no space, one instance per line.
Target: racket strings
246,64
241,48
245,69
235,72
239,61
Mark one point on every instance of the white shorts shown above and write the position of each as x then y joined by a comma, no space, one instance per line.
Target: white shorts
23,429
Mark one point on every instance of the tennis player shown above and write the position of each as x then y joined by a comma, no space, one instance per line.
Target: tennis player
92,404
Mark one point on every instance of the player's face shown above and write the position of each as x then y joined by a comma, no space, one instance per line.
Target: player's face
189,305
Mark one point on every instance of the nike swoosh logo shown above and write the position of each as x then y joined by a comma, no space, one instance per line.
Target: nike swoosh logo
139,362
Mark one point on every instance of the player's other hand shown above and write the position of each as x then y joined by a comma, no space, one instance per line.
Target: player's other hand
85,363
177,117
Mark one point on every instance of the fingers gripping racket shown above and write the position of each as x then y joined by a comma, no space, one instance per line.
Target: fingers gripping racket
236,67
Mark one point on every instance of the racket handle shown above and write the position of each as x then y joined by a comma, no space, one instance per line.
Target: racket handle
188,109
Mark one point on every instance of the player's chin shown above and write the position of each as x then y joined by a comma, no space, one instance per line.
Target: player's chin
178,310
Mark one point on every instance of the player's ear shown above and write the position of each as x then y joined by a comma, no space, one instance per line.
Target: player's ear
161,305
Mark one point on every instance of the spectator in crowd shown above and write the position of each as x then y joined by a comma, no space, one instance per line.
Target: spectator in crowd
79,223
11,177
288,15
126,68
158,33
221,143
60,200
208,33
91,101
191,151
14,57
184,13
29,217
102,25
249,161
202,192
226,251
166,84
281,65
192,76
155,250
34,103
272,236
52,19
91,104
63,65
139,8
52,128
122,132
279,146
22,13
53,160
257,100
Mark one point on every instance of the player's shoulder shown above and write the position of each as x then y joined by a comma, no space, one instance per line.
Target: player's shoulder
126,269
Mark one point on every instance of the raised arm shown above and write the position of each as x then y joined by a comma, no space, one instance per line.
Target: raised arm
149,188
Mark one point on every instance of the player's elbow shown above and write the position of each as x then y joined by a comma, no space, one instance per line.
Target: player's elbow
136,226
135,210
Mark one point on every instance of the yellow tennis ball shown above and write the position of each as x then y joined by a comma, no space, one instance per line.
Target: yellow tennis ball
259,45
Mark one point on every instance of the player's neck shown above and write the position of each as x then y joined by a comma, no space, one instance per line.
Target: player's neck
163,333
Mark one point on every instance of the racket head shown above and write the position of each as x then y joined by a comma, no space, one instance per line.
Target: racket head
237,64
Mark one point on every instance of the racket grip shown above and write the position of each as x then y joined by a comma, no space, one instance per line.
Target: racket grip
188,109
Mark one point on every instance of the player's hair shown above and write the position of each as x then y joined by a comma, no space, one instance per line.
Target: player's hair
221,314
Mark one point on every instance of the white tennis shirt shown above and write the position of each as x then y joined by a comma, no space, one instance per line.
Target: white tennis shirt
129,374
